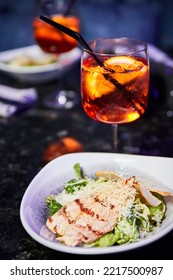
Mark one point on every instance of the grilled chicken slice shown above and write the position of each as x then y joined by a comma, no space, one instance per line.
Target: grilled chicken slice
86,219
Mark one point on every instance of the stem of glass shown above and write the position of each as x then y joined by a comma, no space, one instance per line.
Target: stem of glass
115,137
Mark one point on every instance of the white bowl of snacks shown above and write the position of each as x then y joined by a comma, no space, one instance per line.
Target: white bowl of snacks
32,65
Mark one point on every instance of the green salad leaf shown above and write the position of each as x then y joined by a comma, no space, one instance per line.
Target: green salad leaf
76,184
78,171
53,205
106,240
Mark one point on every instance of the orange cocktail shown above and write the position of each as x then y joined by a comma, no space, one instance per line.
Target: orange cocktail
51,40
103,100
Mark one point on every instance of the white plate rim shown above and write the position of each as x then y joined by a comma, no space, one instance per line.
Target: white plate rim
92,251
35,69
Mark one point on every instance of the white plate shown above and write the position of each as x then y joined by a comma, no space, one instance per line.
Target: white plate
37,74
157,171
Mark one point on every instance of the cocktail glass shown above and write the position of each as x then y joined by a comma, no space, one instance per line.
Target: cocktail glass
117,92
53,41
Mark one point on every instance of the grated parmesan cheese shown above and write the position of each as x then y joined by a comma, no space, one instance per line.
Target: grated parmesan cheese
111,192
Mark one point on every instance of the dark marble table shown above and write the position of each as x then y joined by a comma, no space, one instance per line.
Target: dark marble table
25,137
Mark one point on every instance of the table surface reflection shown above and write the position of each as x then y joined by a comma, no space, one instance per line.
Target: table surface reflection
26,136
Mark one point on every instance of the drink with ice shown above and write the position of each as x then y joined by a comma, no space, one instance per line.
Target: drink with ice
116,90
103,101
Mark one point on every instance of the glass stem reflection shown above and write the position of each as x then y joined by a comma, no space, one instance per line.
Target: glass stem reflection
115,137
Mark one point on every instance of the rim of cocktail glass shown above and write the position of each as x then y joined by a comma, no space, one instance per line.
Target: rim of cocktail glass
142,43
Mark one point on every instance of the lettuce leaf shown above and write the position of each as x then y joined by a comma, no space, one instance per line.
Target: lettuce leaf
76,184
53,205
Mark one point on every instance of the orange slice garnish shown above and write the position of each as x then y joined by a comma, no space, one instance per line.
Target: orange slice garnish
126,69
97,85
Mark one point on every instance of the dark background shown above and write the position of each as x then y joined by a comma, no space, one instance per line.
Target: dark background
149,20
